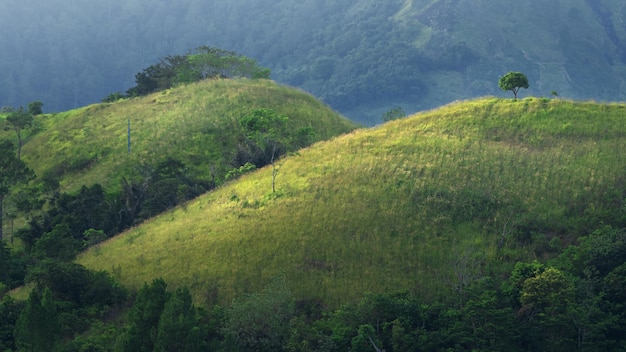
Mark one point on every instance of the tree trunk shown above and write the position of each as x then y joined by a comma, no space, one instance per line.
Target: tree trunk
274,171
19,145
1,215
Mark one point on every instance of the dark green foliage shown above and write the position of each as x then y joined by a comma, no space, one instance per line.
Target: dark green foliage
236,172
143,317
168,185
394,114
37,328
541,307
64,302
9,313
12,267
70,282
513,81
35,108
159,76
67,219
364,340
207,62
260,322
13,171
113,97
93,237
202,63
19,120
177,329
73,221
58,244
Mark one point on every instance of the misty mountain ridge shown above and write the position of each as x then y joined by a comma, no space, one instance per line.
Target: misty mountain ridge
362,58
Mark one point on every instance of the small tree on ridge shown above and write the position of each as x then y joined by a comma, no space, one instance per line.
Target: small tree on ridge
513,81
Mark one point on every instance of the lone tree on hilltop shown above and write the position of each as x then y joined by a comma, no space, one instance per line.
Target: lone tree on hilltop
513,81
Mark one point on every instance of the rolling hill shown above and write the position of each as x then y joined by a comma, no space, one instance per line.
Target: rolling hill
197,124
421,204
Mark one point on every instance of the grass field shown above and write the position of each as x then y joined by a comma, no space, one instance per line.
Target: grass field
196,124
473,186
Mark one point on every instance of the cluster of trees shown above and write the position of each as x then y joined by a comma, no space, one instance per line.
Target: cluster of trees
58,225
202,63
574,301
63,224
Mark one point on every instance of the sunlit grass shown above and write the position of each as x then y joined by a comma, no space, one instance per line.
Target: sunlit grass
388,208
197,124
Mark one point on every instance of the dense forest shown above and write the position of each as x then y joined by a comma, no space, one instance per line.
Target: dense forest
362,58
574,302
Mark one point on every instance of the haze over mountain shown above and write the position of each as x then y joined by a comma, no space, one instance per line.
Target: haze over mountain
362,57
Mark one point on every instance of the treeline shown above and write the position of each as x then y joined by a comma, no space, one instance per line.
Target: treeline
352,55
59,225
574,302
202,63
55,226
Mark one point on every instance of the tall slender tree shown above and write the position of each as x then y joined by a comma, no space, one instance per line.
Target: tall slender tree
37,327
268,130
12,171
18,120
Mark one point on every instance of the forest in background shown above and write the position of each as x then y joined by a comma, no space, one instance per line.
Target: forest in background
362,58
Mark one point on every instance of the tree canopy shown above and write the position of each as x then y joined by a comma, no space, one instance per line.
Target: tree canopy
19,120
513,81
202,63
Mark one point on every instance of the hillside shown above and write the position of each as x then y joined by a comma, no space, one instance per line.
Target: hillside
362,58
196,124
421,204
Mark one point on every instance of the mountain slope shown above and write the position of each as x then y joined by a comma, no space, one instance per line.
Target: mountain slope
362,57
418,204
197,124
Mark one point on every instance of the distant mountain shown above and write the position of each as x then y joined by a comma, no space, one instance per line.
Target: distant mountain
361,57
422,205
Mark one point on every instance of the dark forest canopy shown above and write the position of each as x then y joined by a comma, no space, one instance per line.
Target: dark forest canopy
202,63
362,58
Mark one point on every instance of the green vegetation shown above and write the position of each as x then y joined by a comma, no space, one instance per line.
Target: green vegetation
91,185
13,171
185,141
104,168
202,63
489,181
394,114
513,81
197,124
492,224
362,58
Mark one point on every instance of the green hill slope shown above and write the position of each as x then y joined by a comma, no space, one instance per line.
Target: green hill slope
421,204
197,124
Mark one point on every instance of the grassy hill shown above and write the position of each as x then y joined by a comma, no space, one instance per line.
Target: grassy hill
197,124
422,204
